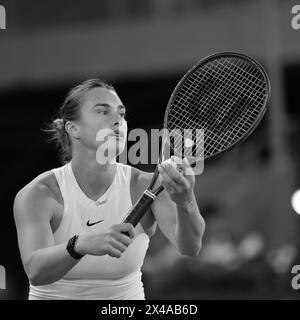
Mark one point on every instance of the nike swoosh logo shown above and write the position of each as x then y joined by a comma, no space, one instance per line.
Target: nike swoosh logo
89,224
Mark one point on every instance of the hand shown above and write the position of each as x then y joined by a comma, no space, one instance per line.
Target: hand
179,185
112,242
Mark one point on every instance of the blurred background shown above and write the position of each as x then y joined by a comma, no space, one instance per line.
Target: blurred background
143,48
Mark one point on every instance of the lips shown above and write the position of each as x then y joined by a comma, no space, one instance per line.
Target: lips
118,134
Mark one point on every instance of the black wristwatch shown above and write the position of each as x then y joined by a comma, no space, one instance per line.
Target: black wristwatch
71,248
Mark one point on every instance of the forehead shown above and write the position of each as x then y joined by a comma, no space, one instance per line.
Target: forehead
101,95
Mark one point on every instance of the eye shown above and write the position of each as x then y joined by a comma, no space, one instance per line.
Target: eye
101,111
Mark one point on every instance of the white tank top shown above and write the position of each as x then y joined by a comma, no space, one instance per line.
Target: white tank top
97,277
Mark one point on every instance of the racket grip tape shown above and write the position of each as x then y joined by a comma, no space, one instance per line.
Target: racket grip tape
140,208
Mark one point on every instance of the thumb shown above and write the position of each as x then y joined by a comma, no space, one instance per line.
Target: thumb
188,171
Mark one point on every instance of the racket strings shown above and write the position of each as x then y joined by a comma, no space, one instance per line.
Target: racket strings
241,128
253,94
230,100
212,133
224,97
178,141
212,123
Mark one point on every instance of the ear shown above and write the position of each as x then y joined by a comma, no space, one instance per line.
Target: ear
72,129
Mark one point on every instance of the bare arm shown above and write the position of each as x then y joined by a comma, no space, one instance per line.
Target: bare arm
177,213
43,261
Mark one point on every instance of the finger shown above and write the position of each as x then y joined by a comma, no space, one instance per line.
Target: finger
126,226
131,233
123,238
113,252
127,229
118,245
177,160
174,175
166,181
187,169
169,189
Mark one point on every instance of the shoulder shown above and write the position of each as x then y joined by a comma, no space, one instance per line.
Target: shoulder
43,189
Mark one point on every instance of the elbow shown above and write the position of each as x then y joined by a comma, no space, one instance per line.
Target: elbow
191,252
196,252
36,279
195,246
35,276
32,272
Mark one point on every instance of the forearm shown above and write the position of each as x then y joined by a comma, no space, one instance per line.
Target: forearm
50,264
190,228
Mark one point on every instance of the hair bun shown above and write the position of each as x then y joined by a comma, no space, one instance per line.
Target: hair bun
58,124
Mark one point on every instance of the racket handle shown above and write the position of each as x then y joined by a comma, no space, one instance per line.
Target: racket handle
140,208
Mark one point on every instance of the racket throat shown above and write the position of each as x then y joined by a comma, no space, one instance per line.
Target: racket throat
149,194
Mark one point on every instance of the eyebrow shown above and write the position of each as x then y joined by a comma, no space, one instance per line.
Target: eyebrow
107,105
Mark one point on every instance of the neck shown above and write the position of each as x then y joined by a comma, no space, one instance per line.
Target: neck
92,177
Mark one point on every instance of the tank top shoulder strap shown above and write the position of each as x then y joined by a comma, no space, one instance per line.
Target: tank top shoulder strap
124,173
62,180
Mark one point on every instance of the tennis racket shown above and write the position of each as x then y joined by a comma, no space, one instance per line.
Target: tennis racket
225,95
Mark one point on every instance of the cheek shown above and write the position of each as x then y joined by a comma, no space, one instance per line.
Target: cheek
88,133
91,123
89,130
100,136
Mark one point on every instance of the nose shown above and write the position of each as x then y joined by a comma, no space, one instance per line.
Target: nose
117,122
117,119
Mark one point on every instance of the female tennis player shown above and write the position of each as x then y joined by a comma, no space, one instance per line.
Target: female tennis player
71,239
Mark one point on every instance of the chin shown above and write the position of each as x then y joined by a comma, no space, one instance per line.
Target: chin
108,155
